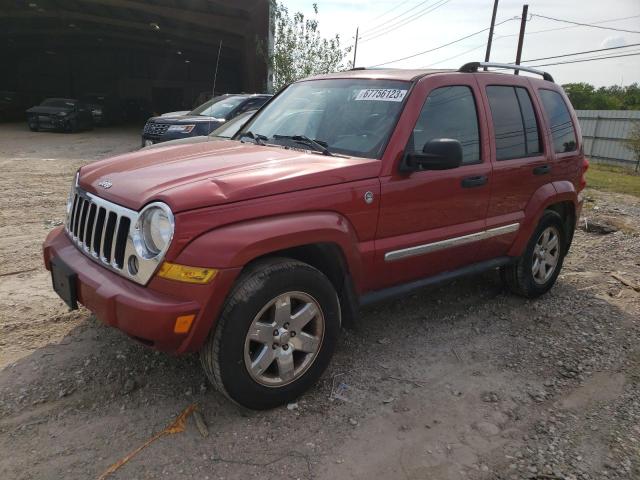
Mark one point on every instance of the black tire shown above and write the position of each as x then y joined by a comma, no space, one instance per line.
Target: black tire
519,277
33,129
71,126
223,355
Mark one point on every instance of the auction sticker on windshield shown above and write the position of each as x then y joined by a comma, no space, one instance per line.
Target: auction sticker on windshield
381,94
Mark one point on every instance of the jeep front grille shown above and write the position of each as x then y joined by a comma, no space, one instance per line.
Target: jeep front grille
102,231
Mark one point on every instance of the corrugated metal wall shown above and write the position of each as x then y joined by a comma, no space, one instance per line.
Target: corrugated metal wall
604,132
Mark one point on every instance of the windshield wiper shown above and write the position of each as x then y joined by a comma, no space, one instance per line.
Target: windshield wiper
304,140
256,137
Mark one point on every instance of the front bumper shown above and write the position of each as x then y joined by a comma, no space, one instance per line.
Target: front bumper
48,122
146,313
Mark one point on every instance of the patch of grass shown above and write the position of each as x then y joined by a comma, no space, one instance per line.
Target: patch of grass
613,179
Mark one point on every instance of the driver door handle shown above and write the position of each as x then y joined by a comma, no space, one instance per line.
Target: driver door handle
541,170
475,181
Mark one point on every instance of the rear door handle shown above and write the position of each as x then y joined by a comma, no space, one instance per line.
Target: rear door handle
476,181
541,170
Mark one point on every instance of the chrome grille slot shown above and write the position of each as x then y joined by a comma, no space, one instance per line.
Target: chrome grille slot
121,239
103,231
108,237
97,235
88,233
83,220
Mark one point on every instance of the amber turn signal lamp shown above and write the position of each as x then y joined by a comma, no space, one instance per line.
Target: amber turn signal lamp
183,323
183,273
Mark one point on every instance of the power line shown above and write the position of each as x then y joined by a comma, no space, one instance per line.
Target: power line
573,26
482,45
580,53
586,60
440,46
477,47
395,7
385,24
585,24
406,21
544,58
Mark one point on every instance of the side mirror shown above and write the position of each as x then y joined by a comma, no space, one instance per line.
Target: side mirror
437,154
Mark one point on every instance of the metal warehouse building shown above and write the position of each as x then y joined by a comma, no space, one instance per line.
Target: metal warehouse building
159,52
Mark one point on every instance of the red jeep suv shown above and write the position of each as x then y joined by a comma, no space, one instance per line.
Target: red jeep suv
342,190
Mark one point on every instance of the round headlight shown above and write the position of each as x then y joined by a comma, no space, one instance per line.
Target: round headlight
155,229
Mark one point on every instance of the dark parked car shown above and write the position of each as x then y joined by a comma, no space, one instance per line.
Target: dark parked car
105,109
201,121
64,114
224,132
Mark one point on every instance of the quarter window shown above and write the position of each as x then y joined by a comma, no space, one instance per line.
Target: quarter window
514,122
449,112
562,130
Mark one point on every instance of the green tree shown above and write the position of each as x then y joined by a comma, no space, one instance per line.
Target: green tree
580,95
299,50
585,97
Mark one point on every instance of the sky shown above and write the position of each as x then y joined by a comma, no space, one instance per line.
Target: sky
385,36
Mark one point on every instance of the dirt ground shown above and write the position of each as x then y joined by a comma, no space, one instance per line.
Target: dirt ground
461,381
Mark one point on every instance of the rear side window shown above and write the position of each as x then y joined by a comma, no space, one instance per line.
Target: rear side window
450,112
514,122
560,123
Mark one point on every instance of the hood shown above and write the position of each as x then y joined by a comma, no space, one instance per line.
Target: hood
49,110
175,114
184,141
180,119
212,173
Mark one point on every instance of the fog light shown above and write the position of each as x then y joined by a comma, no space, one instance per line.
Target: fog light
132,264
184,273
183,323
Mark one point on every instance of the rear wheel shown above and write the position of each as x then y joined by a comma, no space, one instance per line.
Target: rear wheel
275,336
537,269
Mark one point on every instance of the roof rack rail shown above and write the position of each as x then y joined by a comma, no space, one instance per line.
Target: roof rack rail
472,67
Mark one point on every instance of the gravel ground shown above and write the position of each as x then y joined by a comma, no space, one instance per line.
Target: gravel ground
461,381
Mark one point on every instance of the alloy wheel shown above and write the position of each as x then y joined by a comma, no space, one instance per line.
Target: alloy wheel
546,255
284,339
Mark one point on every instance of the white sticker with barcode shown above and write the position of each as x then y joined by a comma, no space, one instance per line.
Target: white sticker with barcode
381,94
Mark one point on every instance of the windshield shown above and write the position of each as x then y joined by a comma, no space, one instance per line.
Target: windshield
348,116
58,102
218,107
232,127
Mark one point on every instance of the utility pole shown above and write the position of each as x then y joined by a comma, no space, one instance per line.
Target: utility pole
493,22
355,49
523,25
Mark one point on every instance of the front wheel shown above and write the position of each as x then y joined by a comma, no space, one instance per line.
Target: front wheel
275,336
536,271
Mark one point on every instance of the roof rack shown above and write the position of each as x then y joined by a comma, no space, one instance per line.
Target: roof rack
472,67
